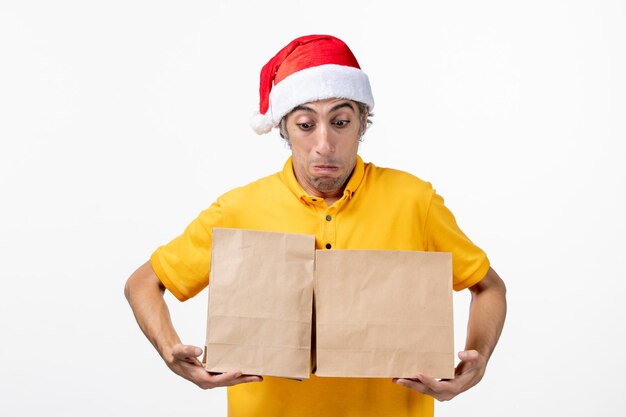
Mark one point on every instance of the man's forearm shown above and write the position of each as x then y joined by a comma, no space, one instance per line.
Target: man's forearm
487,314
144,293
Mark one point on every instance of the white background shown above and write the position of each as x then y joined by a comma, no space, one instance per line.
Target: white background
121,120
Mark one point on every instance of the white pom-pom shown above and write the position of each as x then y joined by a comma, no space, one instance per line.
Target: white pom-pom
261,123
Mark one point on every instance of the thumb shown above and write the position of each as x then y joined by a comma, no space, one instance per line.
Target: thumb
468,355
186,351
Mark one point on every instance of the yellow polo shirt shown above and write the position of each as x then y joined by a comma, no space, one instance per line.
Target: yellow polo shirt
380,208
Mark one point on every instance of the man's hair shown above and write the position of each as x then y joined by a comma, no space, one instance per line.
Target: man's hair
364,120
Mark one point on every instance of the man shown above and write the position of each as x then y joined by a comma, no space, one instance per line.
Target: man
314,91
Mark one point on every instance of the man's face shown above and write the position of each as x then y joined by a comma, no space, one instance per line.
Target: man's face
324,139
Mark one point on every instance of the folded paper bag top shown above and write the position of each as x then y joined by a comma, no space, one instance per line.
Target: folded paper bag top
378,313
260,303
383,314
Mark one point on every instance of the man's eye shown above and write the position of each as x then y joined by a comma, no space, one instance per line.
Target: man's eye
305,126
342,123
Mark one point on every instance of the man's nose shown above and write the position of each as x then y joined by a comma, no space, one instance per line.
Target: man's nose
323,143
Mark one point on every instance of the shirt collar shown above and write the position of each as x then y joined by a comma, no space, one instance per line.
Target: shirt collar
289,179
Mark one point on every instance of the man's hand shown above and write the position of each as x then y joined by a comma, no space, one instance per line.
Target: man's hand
144,292
467,374
487,313
183,361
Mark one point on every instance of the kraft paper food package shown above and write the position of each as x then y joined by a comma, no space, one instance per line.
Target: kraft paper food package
260,303
378,313
384,314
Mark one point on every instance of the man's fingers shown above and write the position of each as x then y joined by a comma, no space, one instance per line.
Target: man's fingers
413,384
225,377
234,376
440,390
243,379
430,383
186,364
468,372
252,378
228,379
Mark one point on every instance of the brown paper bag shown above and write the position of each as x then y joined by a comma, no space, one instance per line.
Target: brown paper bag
260,303
384,314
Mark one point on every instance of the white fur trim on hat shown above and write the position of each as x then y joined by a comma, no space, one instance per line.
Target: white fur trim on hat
313,84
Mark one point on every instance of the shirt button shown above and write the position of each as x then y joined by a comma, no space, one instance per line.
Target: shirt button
328,246
329,217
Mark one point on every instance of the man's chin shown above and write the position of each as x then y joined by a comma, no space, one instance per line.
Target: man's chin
327,184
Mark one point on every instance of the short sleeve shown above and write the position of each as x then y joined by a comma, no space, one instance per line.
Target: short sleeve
442,234
183,265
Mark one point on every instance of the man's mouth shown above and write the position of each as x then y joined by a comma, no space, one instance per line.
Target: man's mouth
325,169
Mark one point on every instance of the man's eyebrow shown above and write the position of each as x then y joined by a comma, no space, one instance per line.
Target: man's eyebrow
342,105
302,108
334,108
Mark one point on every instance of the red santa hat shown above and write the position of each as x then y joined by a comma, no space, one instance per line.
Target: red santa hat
310,68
